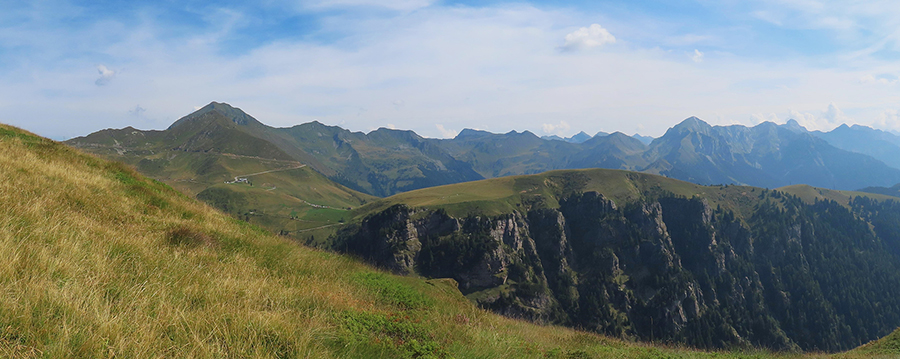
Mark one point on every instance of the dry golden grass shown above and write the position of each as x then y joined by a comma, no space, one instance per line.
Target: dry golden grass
90,269
100,262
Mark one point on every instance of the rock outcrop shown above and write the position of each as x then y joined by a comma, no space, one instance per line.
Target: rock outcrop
671,269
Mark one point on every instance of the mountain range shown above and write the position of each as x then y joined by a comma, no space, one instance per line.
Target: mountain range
386,161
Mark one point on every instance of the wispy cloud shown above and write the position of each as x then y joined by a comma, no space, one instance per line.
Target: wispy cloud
883,79
825,120
497,66
389,4
556,128
697,56
445,133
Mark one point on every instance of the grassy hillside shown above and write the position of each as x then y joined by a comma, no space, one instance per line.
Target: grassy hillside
887,191
810,194
282,195
888,346
101,262
502,195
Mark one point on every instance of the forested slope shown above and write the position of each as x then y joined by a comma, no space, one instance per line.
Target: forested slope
647,257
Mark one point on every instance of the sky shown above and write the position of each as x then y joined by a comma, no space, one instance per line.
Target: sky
69,68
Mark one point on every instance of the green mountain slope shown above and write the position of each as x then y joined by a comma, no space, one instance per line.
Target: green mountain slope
513,153
652,258
886,347
386,162
102,262
201,153
887,191
381,163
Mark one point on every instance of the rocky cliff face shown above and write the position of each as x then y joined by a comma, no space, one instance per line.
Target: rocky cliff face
672,269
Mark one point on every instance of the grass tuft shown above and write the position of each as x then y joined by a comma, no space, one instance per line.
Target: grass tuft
186,236
391,335
389,290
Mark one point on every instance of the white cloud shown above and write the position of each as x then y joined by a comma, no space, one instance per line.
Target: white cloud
588,37
888,120
556,129
884,79
697,56
834,114
445,133
825,121
106,75
392,126
806,119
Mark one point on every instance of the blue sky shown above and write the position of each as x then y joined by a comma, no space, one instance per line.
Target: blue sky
68,68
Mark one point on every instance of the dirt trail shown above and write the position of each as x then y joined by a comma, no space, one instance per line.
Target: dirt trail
312,229
269,171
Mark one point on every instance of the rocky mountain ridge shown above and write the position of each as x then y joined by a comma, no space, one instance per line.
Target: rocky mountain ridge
663,268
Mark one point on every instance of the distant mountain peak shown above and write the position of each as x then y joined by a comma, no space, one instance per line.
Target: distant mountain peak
794,126
234,114
644,139
471,133
693,121
580,137
577,138
692,124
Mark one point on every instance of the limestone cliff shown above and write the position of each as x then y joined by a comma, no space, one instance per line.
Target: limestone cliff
669,269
